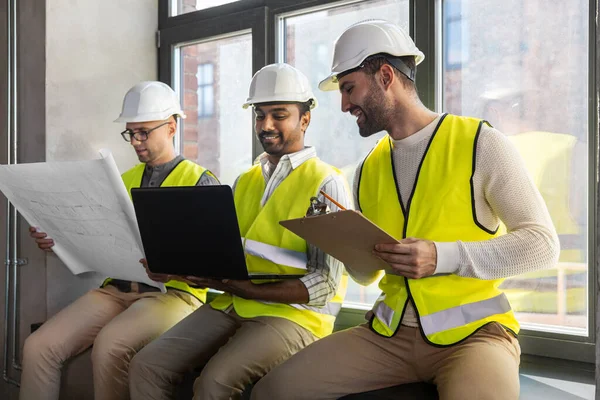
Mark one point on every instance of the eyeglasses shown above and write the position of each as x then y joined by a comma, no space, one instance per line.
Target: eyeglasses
141,135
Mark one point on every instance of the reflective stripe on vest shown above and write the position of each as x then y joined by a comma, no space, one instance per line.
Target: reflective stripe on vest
329,308
384,312
465,314
277,255
449,307
186,173
452,317
272,249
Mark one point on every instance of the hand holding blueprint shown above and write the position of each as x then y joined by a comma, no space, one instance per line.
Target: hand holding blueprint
84,207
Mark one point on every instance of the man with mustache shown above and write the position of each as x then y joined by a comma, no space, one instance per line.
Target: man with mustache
254,325
119,318
442,185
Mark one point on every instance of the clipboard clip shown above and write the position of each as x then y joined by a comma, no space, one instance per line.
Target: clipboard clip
317,207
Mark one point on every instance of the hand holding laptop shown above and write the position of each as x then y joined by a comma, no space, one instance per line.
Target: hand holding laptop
164,278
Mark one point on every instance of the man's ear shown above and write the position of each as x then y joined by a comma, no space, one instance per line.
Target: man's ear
305,121
386,75
172,129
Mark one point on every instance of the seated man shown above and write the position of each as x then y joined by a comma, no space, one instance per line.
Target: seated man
255,325
120,317
441,185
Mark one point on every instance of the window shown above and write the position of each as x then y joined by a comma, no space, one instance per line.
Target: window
333,133
519,64
185,6
523,66
205,92
215,118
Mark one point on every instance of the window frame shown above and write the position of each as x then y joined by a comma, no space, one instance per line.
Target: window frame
426,29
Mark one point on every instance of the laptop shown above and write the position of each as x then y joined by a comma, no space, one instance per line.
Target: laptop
193,231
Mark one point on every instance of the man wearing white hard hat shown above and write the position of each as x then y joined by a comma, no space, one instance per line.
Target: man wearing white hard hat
457,196
121,317
255,325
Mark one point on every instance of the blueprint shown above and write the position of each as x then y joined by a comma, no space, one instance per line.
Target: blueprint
85,208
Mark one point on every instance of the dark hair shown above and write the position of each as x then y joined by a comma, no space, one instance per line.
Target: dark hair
305,107
373,63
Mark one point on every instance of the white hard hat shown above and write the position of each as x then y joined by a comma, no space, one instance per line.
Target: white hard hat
365,39
280,83
150,101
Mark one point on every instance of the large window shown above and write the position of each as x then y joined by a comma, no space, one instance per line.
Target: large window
523,66
217,132
333,133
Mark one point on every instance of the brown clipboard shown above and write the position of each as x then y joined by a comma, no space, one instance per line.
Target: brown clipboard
346,235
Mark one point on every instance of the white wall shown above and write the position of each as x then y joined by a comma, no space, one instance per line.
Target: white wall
95,51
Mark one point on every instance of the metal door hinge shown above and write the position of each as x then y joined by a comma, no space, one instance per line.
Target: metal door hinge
158,39
18,262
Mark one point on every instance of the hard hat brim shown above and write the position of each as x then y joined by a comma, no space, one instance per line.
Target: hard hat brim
252,102
148,117
329,84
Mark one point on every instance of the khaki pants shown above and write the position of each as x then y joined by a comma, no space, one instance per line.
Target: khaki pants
484,366
117,324
233,352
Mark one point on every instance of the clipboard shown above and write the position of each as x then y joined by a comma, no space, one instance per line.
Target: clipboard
346,235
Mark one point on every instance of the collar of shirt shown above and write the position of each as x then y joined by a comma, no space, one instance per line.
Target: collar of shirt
288,161
166,166
418,136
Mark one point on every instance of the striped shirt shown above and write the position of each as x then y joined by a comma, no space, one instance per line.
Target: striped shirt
324,271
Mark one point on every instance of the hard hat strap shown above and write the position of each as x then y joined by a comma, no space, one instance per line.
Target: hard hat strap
402,67
394,62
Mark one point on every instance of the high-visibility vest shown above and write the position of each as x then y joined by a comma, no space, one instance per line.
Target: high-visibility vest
186,173
548,158
272,249
450,308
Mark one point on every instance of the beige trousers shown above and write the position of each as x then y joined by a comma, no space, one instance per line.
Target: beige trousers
117,324
483,367
232,351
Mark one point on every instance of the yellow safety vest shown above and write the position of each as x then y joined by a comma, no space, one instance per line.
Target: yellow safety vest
272,249
186,173
450,308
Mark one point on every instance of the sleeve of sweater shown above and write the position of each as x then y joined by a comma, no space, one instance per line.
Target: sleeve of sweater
503,189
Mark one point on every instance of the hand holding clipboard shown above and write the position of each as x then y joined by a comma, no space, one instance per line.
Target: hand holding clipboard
346,235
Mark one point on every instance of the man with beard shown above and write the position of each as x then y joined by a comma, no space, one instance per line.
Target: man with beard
121,317
442,185
255,325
